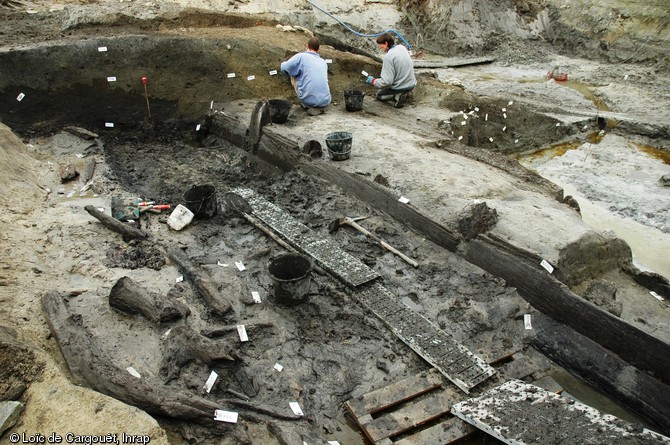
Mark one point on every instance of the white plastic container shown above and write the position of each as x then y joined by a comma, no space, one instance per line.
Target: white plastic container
180,217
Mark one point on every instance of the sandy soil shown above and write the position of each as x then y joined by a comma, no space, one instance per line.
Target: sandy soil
49,241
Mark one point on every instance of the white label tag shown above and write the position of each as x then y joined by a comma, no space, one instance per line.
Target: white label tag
179,279
504,128
230,75
295,407
225,416
211,105
505,115
510,102
476,108
219,263
403,200
365,73
251,77
278,367
490,139
273,72
463,123
111,79
102,49
109,124
460,137
333,442
197,127
256,297
240,266
526,321
210,381
242,331
504,109
20,97
655,295
548,267
133,372
486,117
329,60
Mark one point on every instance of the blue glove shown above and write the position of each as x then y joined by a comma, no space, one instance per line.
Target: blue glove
370,80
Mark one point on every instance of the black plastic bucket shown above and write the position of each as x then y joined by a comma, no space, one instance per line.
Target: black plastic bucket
201,200
291,277
339,145
353,100
279,110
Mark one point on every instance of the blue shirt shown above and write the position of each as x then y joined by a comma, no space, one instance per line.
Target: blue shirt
311,73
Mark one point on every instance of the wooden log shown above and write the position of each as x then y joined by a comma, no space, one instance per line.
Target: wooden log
116,226
583,357
183,345
555,299
95,369
127,296
203,284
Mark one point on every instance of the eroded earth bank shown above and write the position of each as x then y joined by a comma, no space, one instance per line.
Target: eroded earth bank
503,172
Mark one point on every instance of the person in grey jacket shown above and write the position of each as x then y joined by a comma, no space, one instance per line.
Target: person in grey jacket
397,78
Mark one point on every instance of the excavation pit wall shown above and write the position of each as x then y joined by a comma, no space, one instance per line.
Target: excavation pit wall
68,84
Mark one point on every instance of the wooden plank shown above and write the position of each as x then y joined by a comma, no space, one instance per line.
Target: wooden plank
444,433
452,62
394,394
409,416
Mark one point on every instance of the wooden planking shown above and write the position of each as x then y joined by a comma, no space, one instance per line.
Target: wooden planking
394,394
409,416
510,412
444,433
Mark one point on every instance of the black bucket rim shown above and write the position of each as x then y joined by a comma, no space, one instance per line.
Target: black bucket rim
300,257
340,136
280,103
354,93
208,187
204,198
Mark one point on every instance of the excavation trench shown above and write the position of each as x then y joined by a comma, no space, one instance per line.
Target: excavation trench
180,132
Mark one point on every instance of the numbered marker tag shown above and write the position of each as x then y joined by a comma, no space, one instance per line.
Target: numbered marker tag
278,367
102,49
230,75
225,416
295,407
133,372
179,279
256,297
210,381
526,322
476,108
403,200
240,266
242,331
490,139
329,60
273,72
251,77
197,127
111,79
20,97
109,124
365,73
549,268
655,295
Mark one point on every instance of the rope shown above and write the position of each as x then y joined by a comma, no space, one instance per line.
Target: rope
356,32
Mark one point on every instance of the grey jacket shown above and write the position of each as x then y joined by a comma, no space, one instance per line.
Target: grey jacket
397,70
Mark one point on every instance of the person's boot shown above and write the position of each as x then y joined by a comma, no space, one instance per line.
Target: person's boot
399,100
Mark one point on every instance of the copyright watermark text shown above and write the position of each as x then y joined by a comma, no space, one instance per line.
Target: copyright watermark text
85,439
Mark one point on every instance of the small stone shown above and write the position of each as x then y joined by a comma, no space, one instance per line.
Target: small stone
9,414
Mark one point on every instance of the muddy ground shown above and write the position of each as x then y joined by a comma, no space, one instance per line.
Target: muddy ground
330,349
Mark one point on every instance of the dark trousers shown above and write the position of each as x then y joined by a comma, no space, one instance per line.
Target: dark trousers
389,93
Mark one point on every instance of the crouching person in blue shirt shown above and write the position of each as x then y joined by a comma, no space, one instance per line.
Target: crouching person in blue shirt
397,78
309,77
